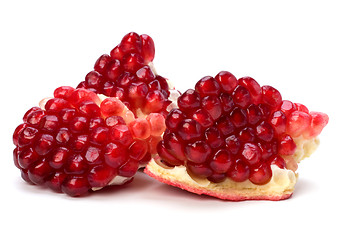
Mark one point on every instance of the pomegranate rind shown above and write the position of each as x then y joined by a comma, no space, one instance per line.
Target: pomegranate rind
227,190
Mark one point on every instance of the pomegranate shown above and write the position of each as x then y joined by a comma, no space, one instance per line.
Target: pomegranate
80,141
236,140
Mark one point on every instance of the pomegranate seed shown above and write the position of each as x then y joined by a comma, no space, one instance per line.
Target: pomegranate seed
93,155
288,107
233,144
227,81
140,128
213,137
56,104
27,157
123,133
287,145
298,122
261,175
27,136
45,144
49,123
241,96
35,117
100,175
239,172
212,105
252,87
278,161
39,172
189,130
268,149
197,152
318,122
17,132
174,118
278,122
59,157
128,169
114,154
132,62
138,92
189,101
207,86
251,154
55,181
301,107
200,170
75,186
247,135
272,97
67,114
165,155
102,63
137,150
265,132
113,121
145,74
202,117
63,92
226,102
63,136
94,80
148,49
225,125
254,114
131,42
99,135
154,102
221,161
75,164
111,106
174,146
238,117
157,124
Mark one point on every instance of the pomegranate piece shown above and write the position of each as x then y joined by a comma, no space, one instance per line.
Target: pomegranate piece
234,133
128,74
76,142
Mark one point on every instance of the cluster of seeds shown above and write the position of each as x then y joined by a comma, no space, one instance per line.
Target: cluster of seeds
77,142
236,129
126,75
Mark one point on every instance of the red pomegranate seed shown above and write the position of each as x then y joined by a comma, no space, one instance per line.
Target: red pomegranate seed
272,97
265,131
145,74
247,134
45,144
157,124
251,154
213,137
212,105
128,169
27,136
175,146
298,122
27,157
287,145
252,87
39,172
75,186
288,107
225,126
137,150
227,81
165,155
63,136
114,154
233,144
261,175
75,164
189,130
207,86
93,155
174,118
241,96
89,109
197,152
226,102
99,135
132,62
55,181
140,128
100,175
239,172
148,49
301,107
123,133
278,122
238,117
111,106
318,122
202,117
277,160
17,132
94,80
59,157
221,161
102,63
268,149
154,102
254,114
189,101
200,170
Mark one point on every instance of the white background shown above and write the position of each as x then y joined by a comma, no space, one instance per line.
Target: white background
293,46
